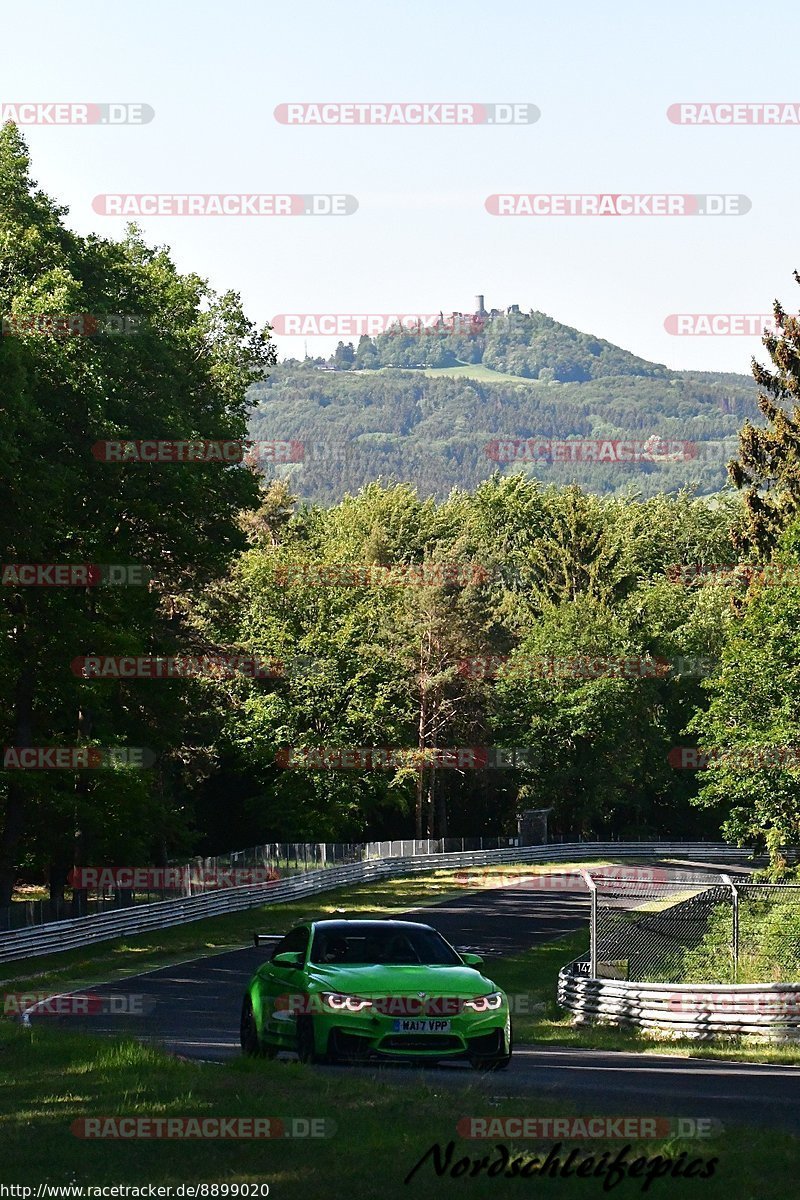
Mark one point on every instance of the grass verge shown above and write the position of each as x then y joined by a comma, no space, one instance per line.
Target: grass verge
383,1128
530,977
531,980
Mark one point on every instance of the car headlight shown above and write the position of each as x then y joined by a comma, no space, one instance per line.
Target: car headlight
485,1003
341,1003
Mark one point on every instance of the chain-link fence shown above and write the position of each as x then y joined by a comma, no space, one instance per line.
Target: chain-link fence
694,929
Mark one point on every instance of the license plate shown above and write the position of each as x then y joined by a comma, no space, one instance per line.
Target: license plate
420,1025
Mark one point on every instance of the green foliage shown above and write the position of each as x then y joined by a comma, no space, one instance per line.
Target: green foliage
575,564
768,465
433,431
769,941
562,575
184,374
754,709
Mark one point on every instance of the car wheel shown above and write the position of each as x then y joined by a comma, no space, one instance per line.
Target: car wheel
495,1062
248,1032
306,1045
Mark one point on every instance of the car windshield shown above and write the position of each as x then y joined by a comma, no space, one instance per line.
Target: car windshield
369,943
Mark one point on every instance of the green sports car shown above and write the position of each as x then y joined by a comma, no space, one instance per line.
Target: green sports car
339,989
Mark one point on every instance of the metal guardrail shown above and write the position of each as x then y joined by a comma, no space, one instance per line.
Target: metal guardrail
699,1011
644,943
206,874
85,931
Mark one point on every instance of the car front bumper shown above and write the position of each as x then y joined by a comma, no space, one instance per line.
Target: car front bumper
478,1035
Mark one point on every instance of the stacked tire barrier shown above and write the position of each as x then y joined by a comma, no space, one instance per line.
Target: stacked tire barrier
701,1011
641,953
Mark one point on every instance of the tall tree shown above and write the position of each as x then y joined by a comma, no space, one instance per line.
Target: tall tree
182,376
749,729
768,466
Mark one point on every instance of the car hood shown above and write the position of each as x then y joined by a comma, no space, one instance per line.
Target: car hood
400,980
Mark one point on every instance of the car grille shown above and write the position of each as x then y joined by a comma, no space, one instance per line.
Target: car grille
425,1041
413,1006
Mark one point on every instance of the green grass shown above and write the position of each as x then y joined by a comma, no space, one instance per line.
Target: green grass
462,371
531,975
531,978
769,944
381,1130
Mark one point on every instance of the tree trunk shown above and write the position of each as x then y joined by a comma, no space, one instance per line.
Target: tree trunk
14,823
440,800
80,896
422,819
57,881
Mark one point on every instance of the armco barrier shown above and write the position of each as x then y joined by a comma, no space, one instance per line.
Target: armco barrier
85,931
700,1011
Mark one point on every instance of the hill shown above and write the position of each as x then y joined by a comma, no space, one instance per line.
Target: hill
445,406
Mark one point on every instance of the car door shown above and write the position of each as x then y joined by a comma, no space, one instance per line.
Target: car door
283,987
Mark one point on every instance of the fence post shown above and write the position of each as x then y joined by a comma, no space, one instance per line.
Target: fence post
590,883
735,915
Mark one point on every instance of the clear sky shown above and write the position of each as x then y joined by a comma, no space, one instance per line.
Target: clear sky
603,76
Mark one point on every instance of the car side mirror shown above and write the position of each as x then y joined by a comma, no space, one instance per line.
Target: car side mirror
290,958
472,960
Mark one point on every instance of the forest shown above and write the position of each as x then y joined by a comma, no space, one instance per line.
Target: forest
426,650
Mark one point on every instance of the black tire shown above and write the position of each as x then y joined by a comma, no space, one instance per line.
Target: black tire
497,1062
251,1043
306,1046
491,1064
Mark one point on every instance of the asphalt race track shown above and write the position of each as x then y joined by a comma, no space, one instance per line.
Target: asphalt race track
194,1011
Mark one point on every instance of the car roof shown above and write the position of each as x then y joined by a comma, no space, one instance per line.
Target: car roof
343,922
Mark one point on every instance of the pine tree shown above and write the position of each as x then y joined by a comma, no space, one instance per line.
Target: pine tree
768,466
